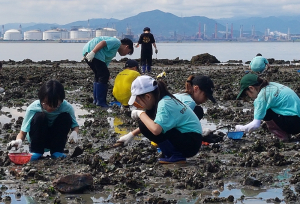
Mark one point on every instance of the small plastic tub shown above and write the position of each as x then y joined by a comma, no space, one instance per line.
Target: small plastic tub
115,103
235,135
19,158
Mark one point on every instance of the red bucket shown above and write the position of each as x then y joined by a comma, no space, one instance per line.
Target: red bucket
19,158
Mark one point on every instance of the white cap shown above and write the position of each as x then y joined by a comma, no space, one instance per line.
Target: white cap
141,85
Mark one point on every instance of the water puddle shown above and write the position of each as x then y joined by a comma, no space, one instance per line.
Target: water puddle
9,114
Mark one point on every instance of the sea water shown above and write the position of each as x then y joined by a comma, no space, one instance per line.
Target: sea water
223,51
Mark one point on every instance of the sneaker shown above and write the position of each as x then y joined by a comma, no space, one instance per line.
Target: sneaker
174,159
56,155
35,156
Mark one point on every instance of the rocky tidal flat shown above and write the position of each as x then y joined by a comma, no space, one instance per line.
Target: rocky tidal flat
93,169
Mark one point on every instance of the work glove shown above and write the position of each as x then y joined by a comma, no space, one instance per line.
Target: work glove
17,143
156,51
126,138
135,114
73,136
206,132
241,128
90,56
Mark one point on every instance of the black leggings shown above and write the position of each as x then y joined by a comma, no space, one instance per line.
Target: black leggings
54,137
100,70
289,124
146,59
187,143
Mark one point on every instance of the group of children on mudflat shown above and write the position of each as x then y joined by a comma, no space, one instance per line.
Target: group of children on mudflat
172,121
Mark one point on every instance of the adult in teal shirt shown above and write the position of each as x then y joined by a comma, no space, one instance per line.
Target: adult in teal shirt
274,103
47,122
98,53
259,64
166,121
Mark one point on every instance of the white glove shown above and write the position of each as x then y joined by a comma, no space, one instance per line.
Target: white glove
73,136
206,132
156,51
90,56
240,128
249,127
135,114
17,143
126,138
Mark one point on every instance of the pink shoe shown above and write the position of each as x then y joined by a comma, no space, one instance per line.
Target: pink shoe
273,128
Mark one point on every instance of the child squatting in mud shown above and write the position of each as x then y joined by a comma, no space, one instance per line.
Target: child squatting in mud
47,122
274,103
168,122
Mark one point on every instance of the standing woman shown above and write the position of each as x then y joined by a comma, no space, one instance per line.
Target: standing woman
47,122
276,104
166,121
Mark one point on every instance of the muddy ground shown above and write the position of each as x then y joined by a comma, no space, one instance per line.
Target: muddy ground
132,174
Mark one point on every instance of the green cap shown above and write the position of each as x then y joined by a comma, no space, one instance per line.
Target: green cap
246,81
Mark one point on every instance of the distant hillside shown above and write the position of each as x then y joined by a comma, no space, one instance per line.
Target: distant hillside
165,24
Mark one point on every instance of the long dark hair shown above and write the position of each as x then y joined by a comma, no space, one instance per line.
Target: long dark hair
160,92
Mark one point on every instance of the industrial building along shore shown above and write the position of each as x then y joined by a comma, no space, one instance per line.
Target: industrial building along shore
59,35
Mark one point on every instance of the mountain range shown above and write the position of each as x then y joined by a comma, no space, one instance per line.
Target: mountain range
165,24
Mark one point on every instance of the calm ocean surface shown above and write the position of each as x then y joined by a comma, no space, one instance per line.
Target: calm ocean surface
223,51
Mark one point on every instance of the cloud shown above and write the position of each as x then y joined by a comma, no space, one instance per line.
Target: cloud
66,11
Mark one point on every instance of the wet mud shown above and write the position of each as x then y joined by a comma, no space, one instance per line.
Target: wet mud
131,174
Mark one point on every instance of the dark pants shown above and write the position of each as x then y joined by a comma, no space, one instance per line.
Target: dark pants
186,143
289,124
54,137
100,70
146,58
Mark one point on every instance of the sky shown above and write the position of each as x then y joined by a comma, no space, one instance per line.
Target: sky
67,11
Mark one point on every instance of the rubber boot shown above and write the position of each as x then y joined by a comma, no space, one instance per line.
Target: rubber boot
35,156
172,156
101,92
56,155
94,93
144,69
148,68
273,128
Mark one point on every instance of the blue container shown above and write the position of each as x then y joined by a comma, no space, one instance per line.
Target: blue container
235,135
298,71
115,102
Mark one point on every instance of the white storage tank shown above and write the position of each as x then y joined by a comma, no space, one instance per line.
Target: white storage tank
81,33
106,32
13,34
52,35
65,34
33,35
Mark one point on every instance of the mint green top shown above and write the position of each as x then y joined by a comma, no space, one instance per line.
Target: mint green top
107,53
35,107
279,98
173,114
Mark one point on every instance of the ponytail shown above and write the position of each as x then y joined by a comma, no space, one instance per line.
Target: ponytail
189,85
